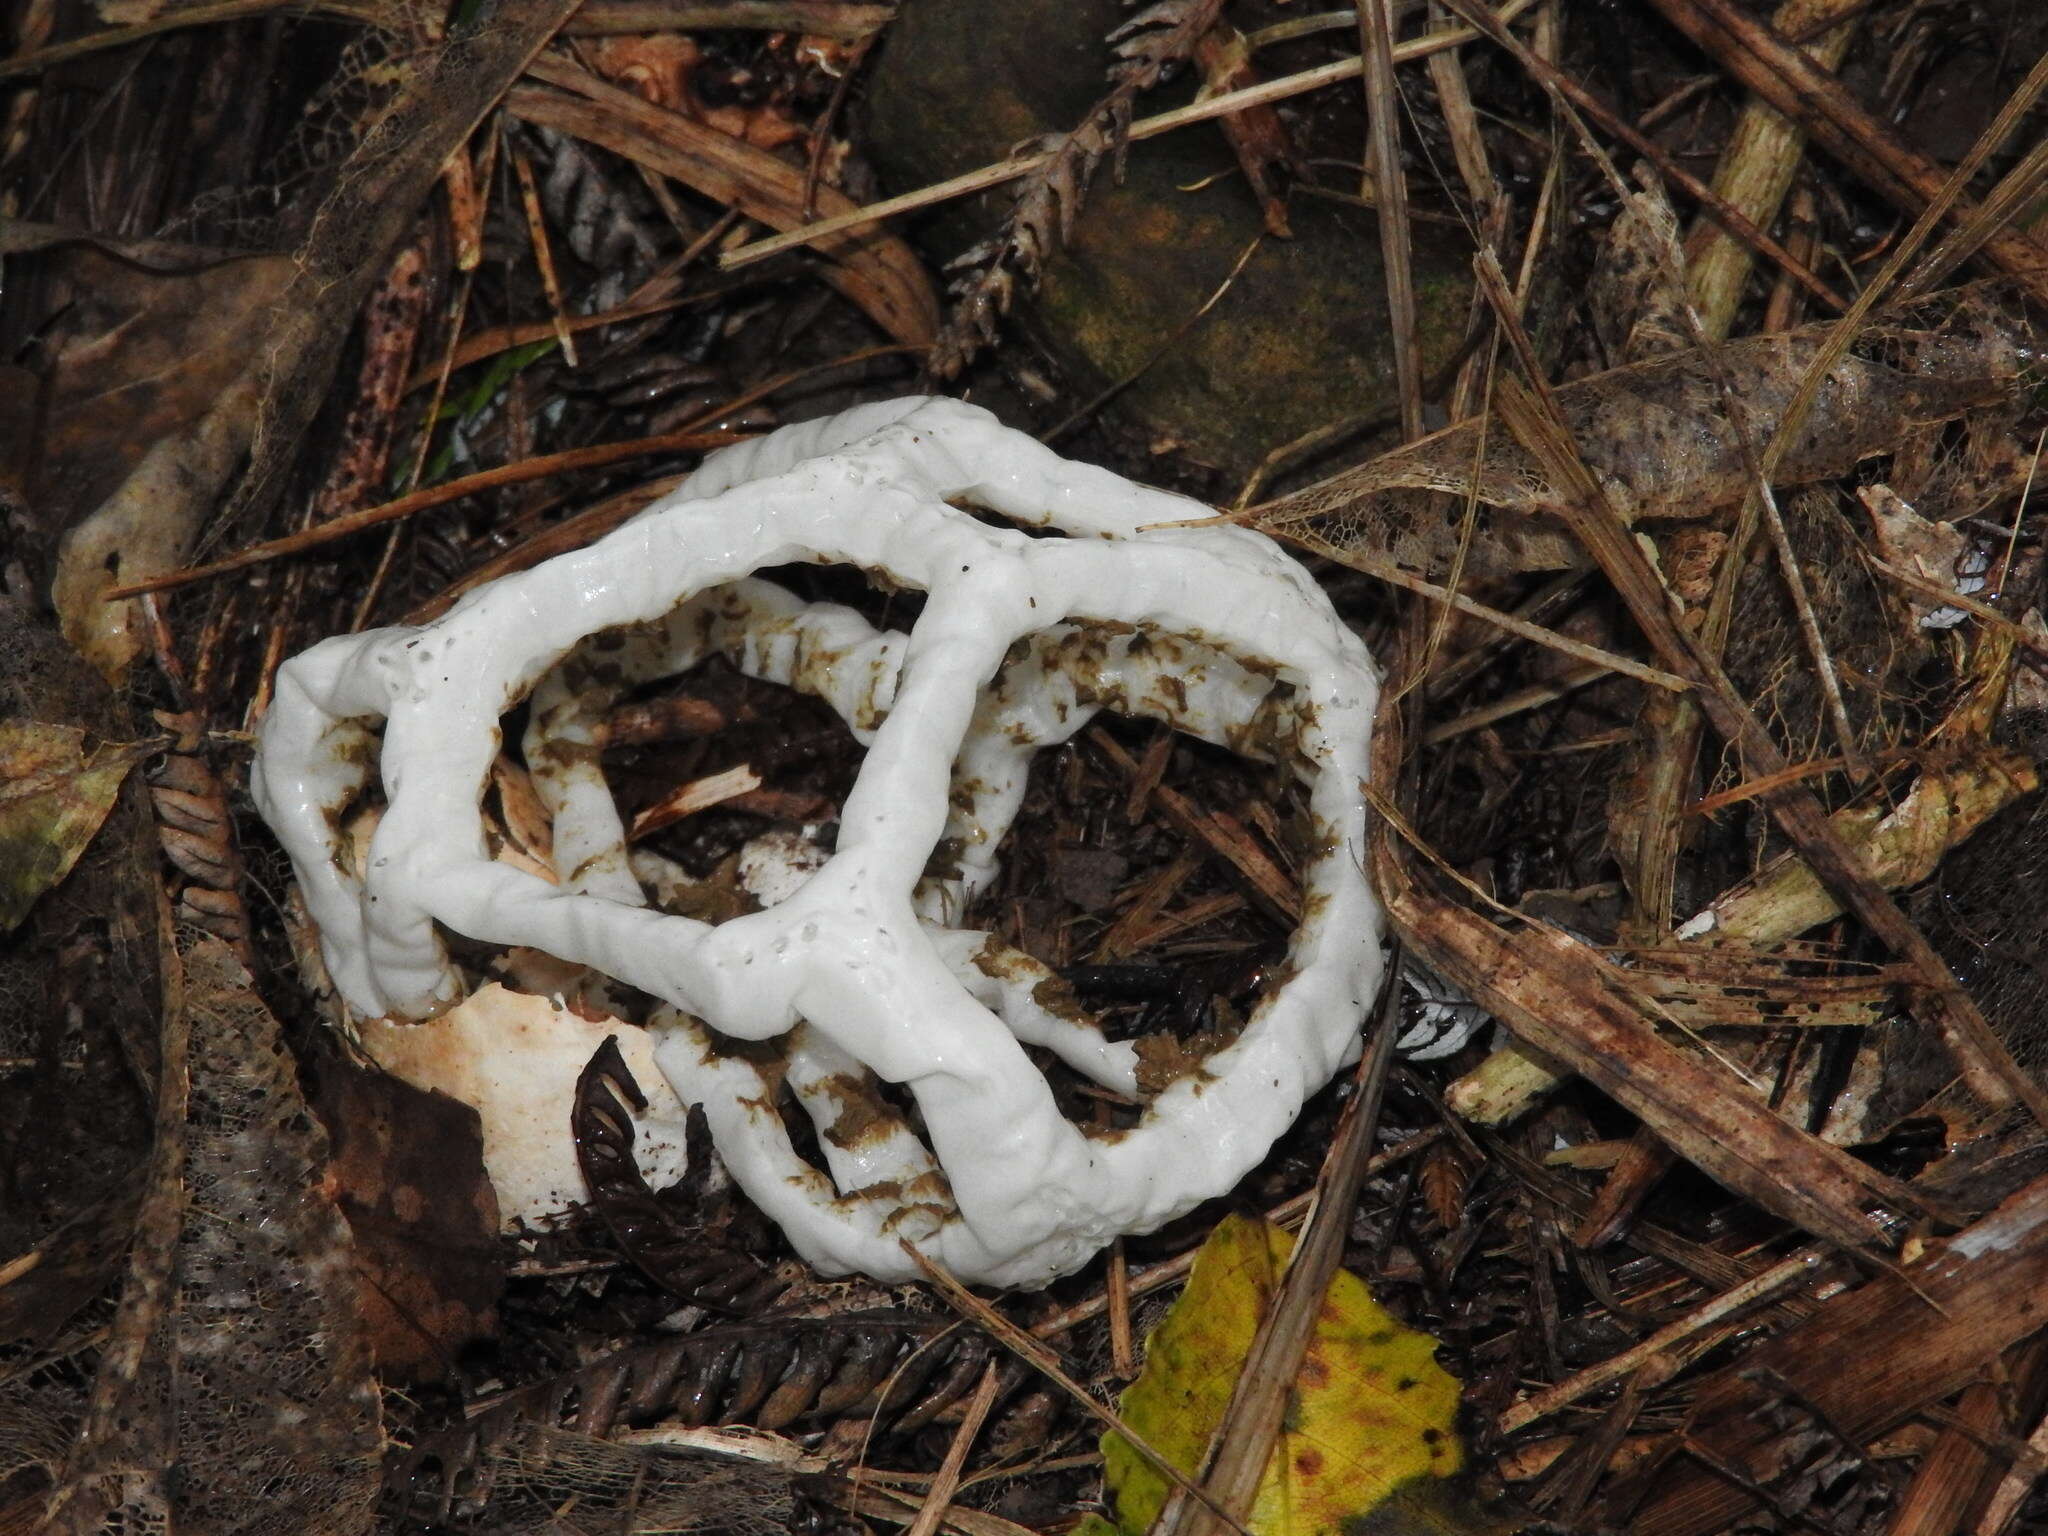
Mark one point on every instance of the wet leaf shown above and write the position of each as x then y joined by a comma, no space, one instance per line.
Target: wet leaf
55,790
407,1172
1371,1417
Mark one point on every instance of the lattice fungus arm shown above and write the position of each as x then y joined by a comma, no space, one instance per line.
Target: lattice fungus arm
863,970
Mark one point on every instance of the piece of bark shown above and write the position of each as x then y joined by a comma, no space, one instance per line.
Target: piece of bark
1866,1361
1957,1474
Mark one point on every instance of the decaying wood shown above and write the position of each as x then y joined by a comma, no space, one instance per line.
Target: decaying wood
1986,1063
1951,1477
1762,157
1900,846
1548,989
1790,81
1866,1360
1711,1318
1657,439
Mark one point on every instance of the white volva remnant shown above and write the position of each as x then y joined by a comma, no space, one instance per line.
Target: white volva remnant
861,970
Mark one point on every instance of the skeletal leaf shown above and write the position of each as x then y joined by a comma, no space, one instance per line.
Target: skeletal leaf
1660,440
1937,553
234,1392
1369,1424
55,790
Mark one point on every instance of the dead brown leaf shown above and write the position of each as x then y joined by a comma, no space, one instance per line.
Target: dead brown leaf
1905,539
152,395
875,270
1657,438
407,1171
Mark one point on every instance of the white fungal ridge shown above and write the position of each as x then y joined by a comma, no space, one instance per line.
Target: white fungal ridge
862,971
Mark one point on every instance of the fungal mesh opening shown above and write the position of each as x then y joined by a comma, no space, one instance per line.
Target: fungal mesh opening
1158,876
717,727
723,735
725,739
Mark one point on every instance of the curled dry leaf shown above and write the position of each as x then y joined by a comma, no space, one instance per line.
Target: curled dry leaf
661,67
1658,438
151,410
1934,552
1636,299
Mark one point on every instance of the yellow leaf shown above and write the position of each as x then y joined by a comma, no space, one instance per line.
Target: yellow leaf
1370,1424
54,793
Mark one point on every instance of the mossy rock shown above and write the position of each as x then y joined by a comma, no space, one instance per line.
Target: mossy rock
1300,340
